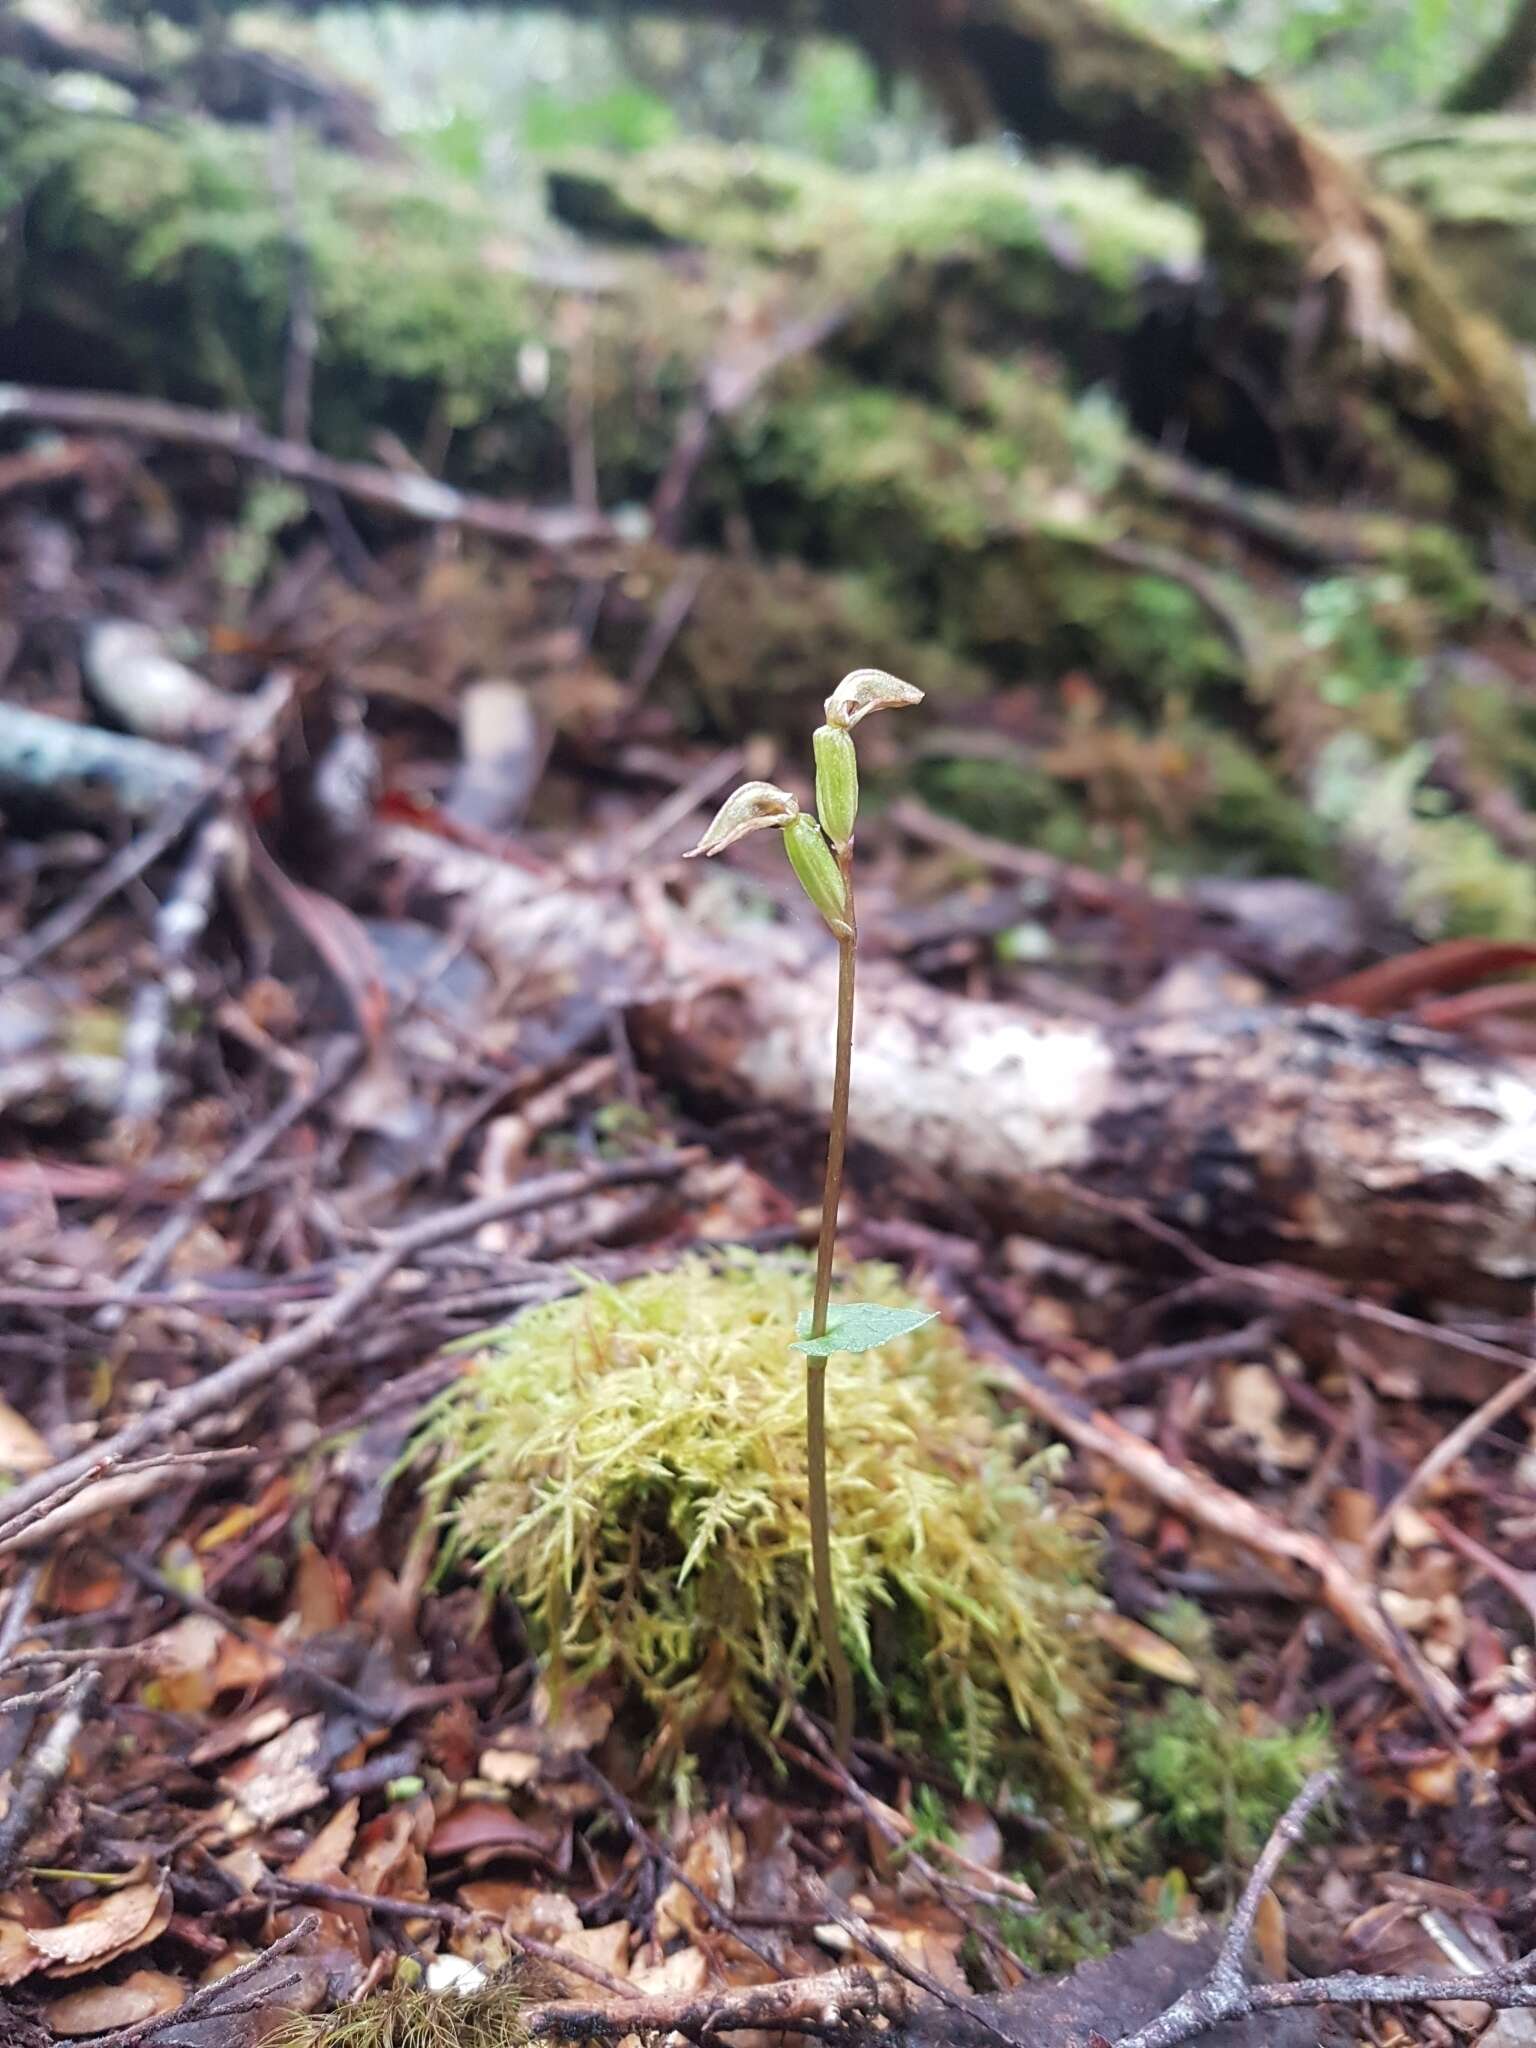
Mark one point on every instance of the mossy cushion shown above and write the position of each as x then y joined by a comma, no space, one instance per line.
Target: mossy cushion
629,1466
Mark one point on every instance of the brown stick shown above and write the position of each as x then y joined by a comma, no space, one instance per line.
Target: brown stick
829,2004
232,1382
1217,1508
410,497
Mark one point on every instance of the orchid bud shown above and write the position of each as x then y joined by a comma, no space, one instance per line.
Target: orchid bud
755,807
811,858
866,690
837,783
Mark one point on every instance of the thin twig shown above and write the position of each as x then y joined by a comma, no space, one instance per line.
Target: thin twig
115,1482
213,1999
826,2005
648,1845
886,1952
341,1696
1451,1446
1201,1499
227,433
43,1771
1226,1993
232,1382
222,1181
255,719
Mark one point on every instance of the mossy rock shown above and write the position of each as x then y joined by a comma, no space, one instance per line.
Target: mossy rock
984,536
764,640
629,1466
159,260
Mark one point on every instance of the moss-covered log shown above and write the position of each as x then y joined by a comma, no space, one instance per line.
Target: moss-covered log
1299,241
913,407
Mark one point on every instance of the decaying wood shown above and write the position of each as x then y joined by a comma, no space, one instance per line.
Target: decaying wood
1349,1145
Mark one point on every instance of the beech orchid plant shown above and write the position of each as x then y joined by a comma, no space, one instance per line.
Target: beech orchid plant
820,851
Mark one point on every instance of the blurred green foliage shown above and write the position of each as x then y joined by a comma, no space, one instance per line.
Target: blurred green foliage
485,93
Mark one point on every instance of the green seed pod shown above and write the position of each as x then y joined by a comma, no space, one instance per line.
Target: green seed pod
811,858
837,783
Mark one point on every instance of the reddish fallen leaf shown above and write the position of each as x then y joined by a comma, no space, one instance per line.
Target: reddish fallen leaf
322,1860
1478,1006
103,1928
387,1860
1432,970
322,1592
143,1996
482,1824
20,1911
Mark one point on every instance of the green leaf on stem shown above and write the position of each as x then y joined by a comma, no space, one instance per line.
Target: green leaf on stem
858,1326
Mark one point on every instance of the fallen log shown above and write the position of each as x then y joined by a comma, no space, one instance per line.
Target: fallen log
1379,1152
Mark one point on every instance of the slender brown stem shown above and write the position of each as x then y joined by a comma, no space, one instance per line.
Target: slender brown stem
816,1368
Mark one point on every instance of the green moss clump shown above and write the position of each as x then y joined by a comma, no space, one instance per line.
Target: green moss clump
801,625
629,1466
1442,872
1216,1782
1247,820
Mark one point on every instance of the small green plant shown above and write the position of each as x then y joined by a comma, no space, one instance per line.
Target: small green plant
629,1465
1216,1778
820,851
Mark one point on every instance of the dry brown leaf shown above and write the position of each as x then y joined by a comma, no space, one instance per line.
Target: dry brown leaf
1256,1402
104,1928
935,1950
671,1976
21,1448
322,1860
102,1497
1269,1937
243,1665
386,1860
547,1916
190,1644
321,1592
484,1827
976,1834
21,1910
242,1731
143,1996
1351,1514
1144,1648
279,1779
184,1662
608,1946
711,1860
573,1722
